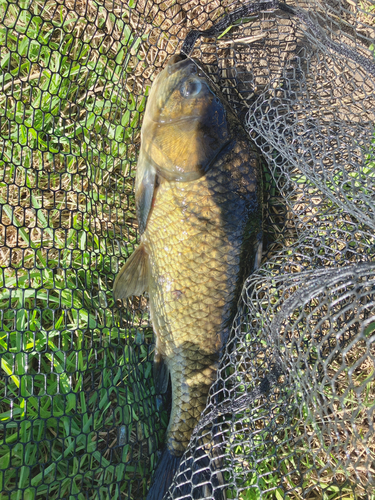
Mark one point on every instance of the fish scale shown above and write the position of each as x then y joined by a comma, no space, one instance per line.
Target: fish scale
190,306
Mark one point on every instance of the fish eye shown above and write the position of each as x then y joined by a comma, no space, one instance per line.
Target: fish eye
191,87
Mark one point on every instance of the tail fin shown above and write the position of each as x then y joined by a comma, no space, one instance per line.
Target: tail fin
165,471
200,477
195,478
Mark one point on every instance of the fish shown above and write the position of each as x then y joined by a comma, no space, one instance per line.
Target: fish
198,192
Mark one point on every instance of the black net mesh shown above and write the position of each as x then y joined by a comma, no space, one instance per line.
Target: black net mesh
292,412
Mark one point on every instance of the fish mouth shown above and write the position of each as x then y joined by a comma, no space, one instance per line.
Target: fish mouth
190,66
179,62
176,58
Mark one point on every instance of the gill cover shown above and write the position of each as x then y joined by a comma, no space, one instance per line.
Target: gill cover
184,128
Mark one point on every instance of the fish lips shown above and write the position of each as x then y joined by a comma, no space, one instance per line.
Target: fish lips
175,61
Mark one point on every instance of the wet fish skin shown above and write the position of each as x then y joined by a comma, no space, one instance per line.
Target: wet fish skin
198,197
196,236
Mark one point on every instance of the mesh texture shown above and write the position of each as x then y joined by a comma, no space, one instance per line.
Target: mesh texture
293,405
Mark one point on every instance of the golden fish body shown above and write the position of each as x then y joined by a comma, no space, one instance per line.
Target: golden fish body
199,209
194,238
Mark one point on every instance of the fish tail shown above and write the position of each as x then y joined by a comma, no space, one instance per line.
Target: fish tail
200,478
197,478
165,471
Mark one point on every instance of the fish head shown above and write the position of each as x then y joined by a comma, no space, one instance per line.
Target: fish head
185,124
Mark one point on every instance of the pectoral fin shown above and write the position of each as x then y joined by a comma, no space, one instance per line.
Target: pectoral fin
144,190
133,277
161,374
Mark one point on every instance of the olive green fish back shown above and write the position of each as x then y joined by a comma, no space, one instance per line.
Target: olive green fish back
293,401
202,237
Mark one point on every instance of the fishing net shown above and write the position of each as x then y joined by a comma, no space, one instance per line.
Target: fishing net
292,411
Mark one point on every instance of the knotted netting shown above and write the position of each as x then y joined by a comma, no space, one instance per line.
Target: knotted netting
292,411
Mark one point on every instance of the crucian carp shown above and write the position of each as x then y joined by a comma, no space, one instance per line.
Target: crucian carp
199,210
